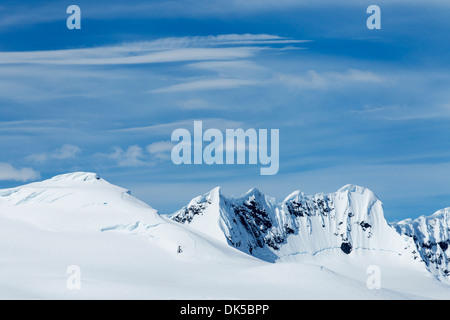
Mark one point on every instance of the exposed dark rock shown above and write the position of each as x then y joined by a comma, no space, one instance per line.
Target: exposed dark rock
346,247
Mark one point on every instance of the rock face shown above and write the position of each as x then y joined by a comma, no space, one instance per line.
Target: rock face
349,220
431,236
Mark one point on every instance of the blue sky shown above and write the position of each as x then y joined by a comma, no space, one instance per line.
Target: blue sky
367,107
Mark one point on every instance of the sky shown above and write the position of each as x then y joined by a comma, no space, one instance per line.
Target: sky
352,105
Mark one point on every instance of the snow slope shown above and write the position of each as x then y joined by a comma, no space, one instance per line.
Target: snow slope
126,250
75,201
83,202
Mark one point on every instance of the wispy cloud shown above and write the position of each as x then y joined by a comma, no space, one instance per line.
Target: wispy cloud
29,125
222,47
160,150
325,80
67,151
405,112
75,57
250,74
207,84
195,104
237,69
132,157
103,71
136,156
168,128
10,173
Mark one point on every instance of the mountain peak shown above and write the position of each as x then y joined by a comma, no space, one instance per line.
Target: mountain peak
352,188
255,192
293,195
74,201
216,192
443,213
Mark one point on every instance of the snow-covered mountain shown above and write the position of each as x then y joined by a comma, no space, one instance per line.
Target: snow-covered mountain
75,201
215,247
431,236
84,202
350,220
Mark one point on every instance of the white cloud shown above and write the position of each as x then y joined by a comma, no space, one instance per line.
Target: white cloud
168,128
325,80
194,104
354,76
405,112
235,69
222,47
207,84
232,74
8,172
160,150
67,151
85,57
250,74
136,156
224,66
132,157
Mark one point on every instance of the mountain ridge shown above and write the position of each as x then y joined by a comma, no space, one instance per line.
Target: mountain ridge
258,225
348,222
245,225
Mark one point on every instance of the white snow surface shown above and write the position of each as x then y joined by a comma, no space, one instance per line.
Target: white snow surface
126,250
